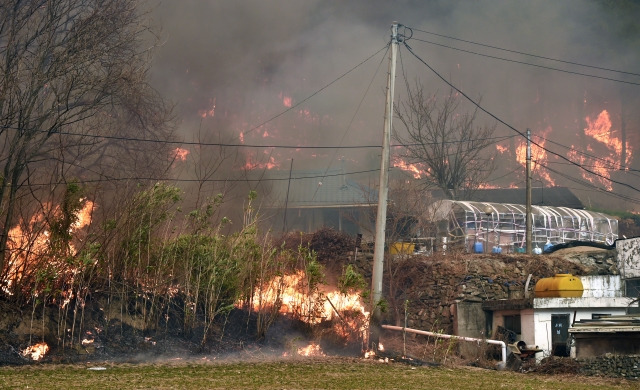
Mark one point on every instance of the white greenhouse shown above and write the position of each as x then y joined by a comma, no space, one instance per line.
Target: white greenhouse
501,227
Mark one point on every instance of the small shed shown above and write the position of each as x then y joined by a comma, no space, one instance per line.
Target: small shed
602,335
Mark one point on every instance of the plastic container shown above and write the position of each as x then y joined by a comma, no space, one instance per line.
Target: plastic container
402,248
559,286
478,248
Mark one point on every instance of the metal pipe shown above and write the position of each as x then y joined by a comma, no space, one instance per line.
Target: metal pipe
502,345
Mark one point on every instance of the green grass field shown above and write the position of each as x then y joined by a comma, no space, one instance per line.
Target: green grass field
326,373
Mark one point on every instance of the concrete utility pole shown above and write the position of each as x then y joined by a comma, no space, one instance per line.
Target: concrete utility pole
528,219
381,218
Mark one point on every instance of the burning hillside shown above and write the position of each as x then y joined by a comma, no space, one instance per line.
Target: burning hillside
324,323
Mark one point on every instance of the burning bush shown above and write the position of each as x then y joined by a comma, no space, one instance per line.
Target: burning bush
160,271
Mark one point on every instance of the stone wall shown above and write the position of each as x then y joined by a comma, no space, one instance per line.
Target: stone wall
628,257
433,284
627,366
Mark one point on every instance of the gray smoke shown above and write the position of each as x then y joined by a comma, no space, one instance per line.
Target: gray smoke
250,56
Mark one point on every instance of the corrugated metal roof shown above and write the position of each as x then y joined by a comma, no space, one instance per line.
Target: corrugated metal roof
609,324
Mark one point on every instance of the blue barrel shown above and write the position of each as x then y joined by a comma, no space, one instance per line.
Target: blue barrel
496,249
477,247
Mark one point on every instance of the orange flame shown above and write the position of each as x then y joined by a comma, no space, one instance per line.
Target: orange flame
538,156
288,292
287,101
312,349
413,169
250,164
179,154
36,351
209,111
501,149
33,242
600,129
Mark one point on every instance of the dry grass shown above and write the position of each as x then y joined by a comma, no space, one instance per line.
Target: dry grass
324,373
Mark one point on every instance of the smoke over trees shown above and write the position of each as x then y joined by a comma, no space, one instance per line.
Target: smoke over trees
449,144
72,72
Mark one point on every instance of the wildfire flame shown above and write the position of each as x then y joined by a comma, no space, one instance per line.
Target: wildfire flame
251,164
210,111
36,351
287,101
538,156
501,149
31,241
179,154
371,354
413,169
289,295
312,349
600,130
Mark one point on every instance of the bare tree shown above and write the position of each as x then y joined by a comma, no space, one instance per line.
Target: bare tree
71,72
448,144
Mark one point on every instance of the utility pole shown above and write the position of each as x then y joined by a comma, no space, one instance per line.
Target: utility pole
381,217
286,201
528,219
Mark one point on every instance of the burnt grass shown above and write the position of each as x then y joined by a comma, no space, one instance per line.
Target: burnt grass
122,339
105,329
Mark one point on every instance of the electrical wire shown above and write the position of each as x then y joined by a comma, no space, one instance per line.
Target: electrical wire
353,117
293,106
141,178
592,186
232,145
530,64
526,54
508,125
611,165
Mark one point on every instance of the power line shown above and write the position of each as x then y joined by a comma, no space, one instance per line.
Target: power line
593,186
508,125
353,117
141,178
528,54
529,64
630,171
611,165
316,92
222,144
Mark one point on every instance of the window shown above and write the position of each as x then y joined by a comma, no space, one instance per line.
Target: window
632,287
512,323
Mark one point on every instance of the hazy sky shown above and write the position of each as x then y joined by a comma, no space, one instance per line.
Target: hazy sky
232,65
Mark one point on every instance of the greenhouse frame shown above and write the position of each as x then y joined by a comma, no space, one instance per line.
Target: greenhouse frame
500,227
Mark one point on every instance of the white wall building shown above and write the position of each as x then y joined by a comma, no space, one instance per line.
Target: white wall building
545,322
